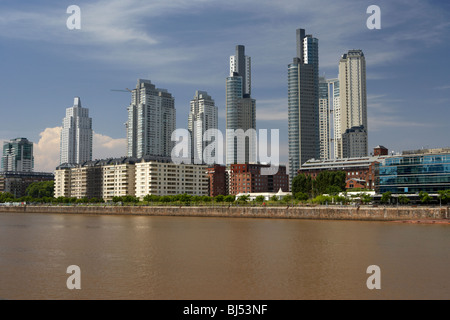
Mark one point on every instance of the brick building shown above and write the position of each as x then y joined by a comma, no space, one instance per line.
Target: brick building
247,178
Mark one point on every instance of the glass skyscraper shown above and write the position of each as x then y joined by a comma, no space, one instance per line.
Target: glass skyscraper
303,103
18,156
240,111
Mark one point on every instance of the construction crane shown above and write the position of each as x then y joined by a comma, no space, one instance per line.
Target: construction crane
127,90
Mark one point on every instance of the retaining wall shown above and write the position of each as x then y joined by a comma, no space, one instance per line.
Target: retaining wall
319,212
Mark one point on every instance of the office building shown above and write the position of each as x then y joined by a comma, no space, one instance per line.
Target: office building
354,142
353,97
17,183
240,111
18,156
413,171
76,135
303,103
151,121
203,116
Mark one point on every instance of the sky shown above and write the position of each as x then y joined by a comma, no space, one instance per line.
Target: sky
185,45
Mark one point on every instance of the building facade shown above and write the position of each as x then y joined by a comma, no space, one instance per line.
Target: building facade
354,142
166,178
218,180
109,178
203,116
240,111
413,171
18,156
76,135
353,96
247,178
151,121
17,183
360,171
303,103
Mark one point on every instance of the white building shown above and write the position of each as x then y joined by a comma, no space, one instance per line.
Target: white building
151,121
166,178
17,156
76,135
353,95
202,117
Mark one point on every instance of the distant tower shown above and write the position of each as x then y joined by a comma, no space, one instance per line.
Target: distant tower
353,98
303,103
240,109
18,156
76,135
151,121
202,117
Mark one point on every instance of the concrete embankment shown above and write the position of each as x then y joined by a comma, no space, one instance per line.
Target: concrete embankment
319,212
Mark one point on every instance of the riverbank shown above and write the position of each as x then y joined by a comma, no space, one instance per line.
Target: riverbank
286,212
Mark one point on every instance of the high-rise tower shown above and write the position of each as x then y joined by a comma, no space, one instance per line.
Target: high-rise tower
202,117
76,135
303,103
353,99
240,111
18,156
151,121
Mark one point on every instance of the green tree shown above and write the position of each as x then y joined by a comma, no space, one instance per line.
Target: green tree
425,197
274,198
287,198
301,196
151,198
260,199
41,189
321,199
365,198
403,199
443,196
219,198
302,183
386,197
330,182
230,198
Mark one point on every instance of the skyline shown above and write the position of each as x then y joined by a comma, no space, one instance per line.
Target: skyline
185,47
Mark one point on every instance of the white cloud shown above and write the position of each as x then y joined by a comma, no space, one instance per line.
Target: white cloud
46,151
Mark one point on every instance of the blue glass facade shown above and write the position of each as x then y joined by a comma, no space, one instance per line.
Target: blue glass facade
413,173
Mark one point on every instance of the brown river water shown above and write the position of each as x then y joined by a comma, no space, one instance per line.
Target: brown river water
172,258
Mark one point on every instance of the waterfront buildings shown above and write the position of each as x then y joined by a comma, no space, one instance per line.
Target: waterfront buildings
76,135
151,121
240,111
360,171
17,156
166,178
218,180
353,104
203,116
17,183
247,178
303,103
413,171
130,177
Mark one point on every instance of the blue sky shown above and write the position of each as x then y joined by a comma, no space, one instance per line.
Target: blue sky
184,46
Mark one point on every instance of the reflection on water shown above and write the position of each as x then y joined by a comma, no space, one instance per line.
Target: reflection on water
140,257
